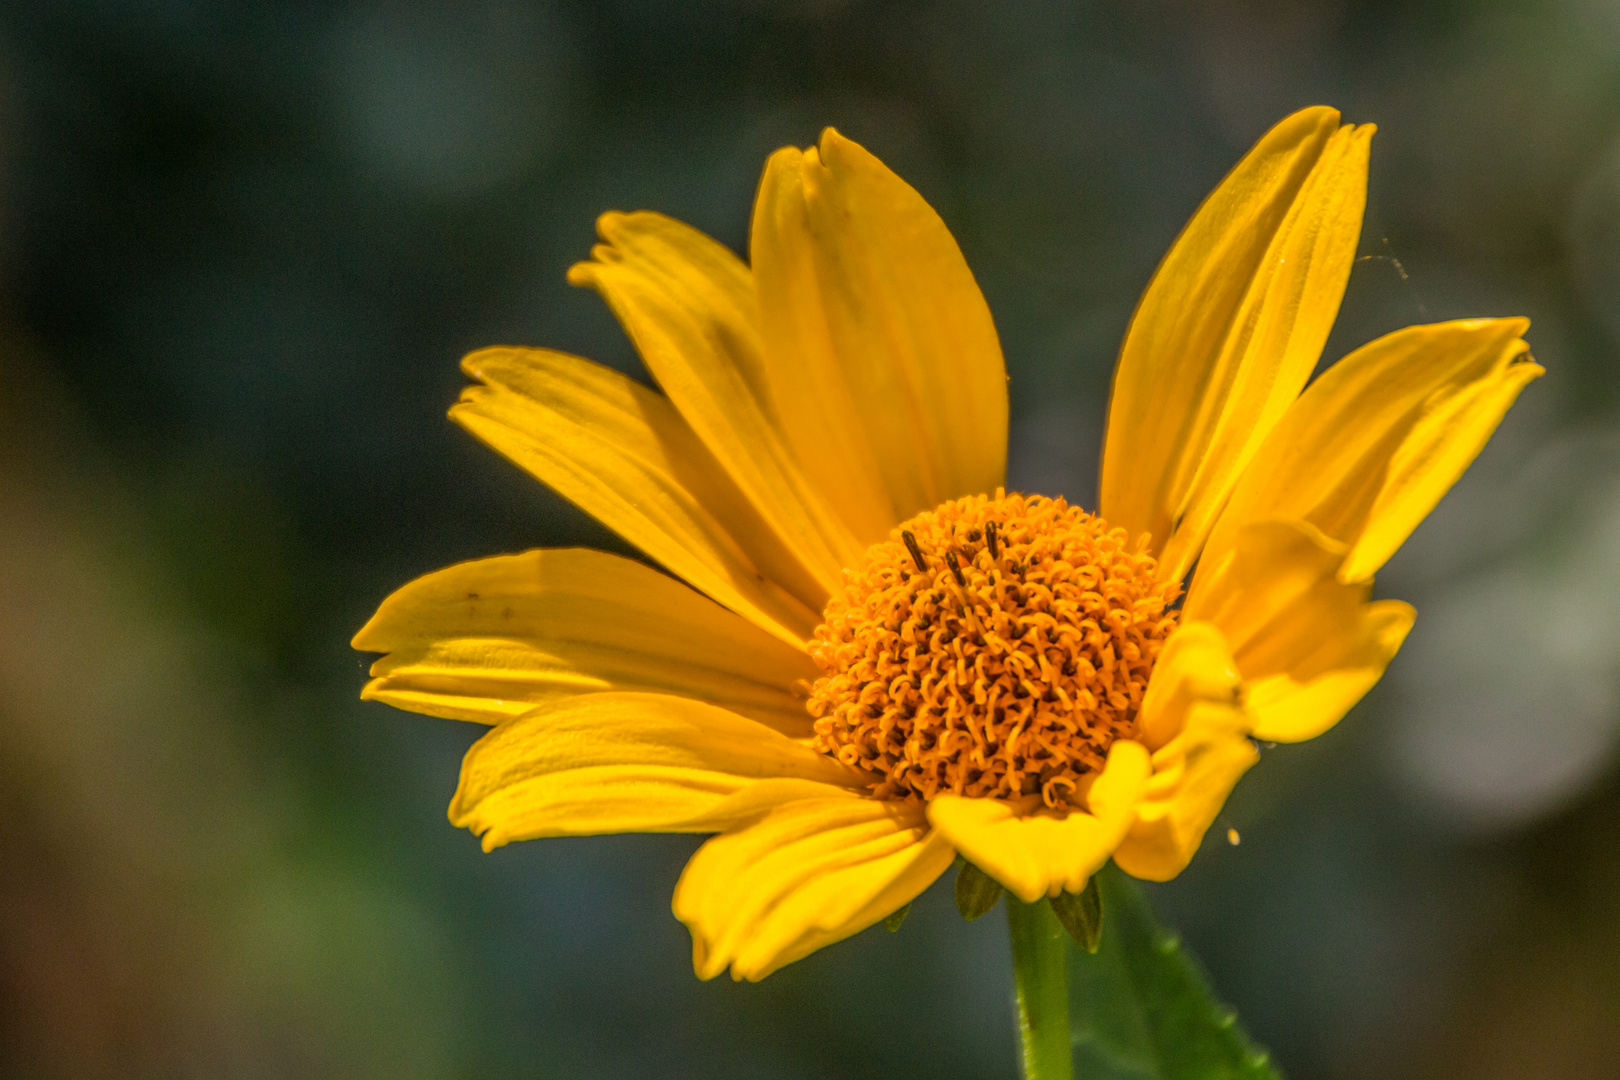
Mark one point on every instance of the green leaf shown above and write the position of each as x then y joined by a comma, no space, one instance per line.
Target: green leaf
1081,914
976,892
892,921
1140,1009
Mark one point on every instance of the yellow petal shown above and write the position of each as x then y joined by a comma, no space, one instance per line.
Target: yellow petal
1195,666
1323,682
1372,445
1229,330
489,639
1036,852
898,367
1308,645
688,304
802,874
1435,453
1194,718
825,425
1192,776
624,762
624,455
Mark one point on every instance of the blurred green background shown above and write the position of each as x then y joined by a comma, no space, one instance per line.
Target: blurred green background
242,247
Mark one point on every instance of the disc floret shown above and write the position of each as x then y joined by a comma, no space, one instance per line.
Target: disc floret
991,647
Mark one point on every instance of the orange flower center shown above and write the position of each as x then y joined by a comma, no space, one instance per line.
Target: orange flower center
992,647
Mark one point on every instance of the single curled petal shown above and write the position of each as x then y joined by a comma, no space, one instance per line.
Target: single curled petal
1195,666
802,873
1036,852
1192,776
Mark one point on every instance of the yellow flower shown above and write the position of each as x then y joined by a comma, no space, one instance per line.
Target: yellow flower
879,658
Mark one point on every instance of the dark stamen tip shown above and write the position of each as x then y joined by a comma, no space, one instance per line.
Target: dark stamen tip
956,568
990,539
916,552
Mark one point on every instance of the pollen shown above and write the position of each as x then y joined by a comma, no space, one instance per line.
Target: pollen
991,647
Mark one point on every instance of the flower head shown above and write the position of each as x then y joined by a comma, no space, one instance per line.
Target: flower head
880,659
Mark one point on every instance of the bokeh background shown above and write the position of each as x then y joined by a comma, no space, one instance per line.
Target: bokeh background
242,247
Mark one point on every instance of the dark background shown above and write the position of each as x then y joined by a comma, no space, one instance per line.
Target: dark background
242,247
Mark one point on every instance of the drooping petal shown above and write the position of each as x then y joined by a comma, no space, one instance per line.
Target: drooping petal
1308,644
489,639
688,304
877,337
1194,717
1372,445
1317,686
624,455
1036,852
1192,776
802,874
1229,330
625,762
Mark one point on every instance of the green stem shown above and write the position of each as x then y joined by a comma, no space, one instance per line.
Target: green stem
1043,989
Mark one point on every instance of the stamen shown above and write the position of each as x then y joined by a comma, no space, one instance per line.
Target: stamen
990,539
911,543
956,568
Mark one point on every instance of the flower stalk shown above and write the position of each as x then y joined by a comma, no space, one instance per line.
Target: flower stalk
1041,976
